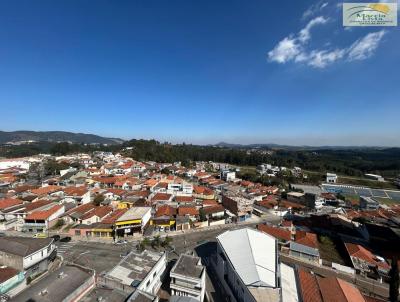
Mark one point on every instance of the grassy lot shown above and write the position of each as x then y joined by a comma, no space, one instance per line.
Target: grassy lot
365,182
388,201
328,250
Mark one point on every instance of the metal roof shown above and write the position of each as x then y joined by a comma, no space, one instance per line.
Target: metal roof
252,254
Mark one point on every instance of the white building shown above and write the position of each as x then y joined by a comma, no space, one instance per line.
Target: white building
247,265
188,278
29,255
331,178
138,271
228,175
375,177
180,188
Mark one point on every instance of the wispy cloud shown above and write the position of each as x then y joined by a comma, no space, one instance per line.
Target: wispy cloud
321,58
286,50
304,34
292,46
365,47
314,9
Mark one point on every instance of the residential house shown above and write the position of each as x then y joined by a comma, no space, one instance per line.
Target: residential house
42,220
365,262
28,255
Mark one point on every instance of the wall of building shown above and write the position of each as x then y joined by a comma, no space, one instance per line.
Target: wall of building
11,260
38,255
153,280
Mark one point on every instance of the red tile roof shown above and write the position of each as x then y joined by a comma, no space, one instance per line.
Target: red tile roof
191,211
43,215
358,251
309,290
75,191
118,192
213,209
100,212
165,210
46,190
307,239
9,202
276,232
7,273
37,204
114,216
161,197
184,198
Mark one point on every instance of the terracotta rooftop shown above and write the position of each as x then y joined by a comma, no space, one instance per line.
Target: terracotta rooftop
358,251
43,215
7,273
75,191
114,216
161,197
307,239
276,232
165,210
46,190
191,211
184,198
309,289
9,202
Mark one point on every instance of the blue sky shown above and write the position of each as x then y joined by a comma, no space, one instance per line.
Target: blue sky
199,71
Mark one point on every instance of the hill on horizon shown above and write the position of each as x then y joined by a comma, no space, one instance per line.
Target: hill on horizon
55,136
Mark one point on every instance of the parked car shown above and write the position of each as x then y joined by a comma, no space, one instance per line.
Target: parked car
40,235
65,239
56,237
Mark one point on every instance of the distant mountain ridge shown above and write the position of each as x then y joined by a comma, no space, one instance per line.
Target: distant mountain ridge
55,136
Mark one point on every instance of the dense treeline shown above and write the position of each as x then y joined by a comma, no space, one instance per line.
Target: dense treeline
352,162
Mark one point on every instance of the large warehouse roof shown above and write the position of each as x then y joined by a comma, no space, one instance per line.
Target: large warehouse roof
252,254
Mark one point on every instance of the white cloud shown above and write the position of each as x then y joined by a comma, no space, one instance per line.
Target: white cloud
365,47
290,47
323,58
314,9
286,50
304,34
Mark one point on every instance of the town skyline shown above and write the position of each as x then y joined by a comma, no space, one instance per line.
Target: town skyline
200,73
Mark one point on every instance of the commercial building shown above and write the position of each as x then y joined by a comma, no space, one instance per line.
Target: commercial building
133,221
188,278
247,265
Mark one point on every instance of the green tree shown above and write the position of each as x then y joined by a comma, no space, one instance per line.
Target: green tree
156,242
202,214
99,198
166,242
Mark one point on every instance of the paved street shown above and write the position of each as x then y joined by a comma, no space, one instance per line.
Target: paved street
99,256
